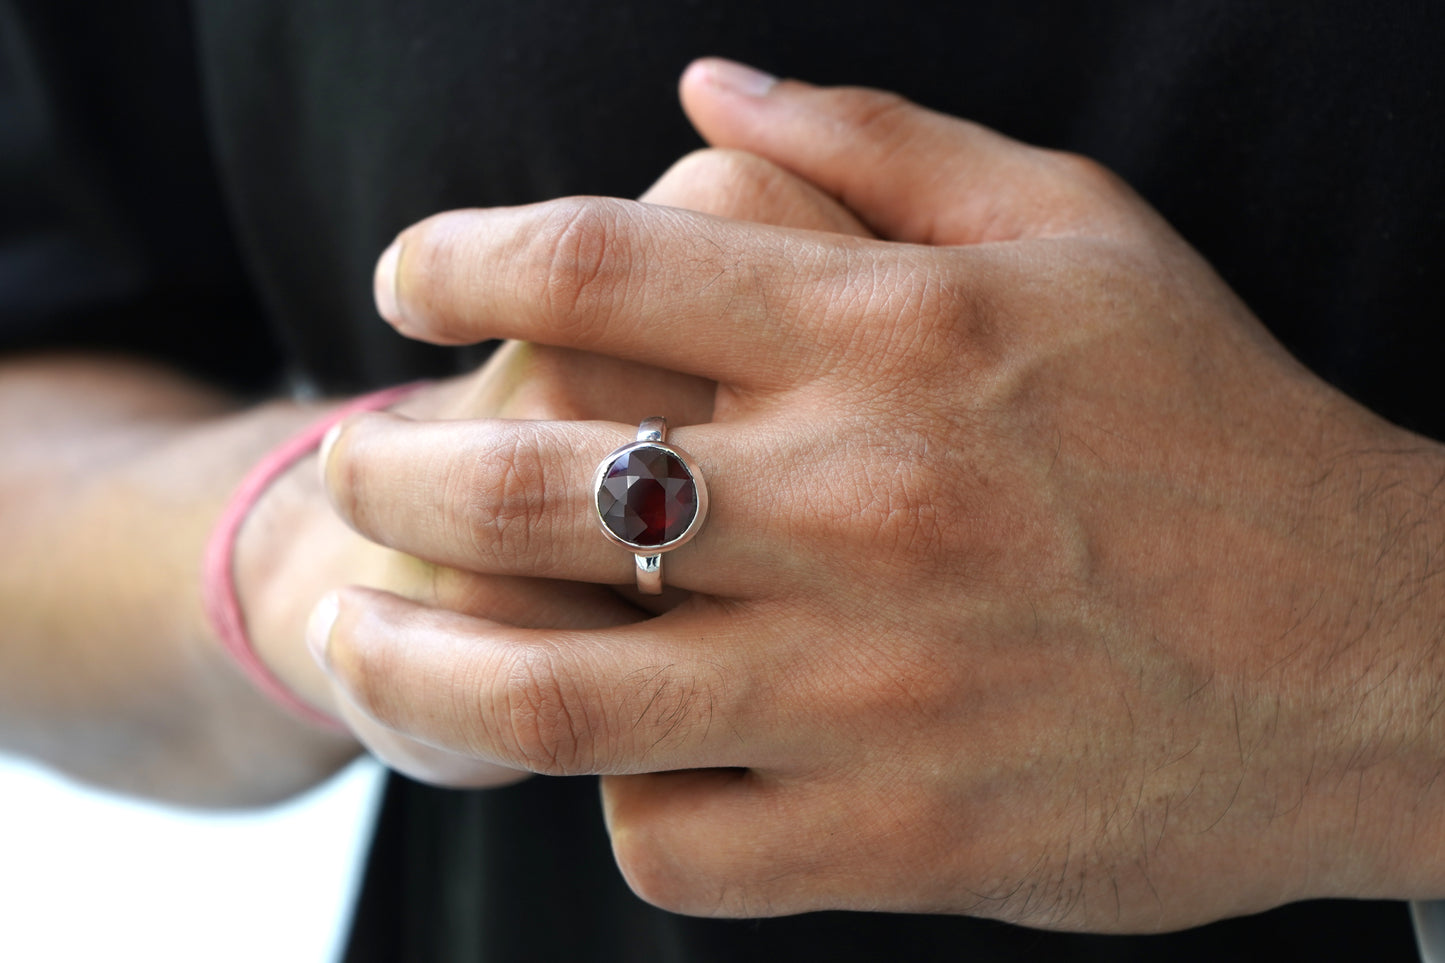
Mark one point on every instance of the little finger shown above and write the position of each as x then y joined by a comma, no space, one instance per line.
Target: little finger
649,697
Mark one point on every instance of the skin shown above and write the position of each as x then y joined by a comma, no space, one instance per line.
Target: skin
114,474
527,382
1040,582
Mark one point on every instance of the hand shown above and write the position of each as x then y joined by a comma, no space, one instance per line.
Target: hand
1040,582
521,381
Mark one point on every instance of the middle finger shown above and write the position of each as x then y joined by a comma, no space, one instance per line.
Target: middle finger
685,291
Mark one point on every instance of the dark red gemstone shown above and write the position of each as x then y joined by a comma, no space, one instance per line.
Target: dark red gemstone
647,497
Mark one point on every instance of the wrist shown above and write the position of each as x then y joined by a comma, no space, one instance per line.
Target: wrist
1386,669
261,586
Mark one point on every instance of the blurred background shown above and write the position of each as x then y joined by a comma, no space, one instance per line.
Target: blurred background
89,876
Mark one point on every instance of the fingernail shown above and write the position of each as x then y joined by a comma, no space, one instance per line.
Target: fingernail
327,443
384,283
318,627
740,78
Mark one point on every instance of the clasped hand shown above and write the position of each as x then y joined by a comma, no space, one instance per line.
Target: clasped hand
1039,582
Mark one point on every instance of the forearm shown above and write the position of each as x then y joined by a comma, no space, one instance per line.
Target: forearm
113,475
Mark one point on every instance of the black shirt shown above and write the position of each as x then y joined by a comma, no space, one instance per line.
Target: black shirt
210,183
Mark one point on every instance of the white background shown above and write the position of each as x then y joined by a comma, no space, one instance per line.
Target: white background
86,876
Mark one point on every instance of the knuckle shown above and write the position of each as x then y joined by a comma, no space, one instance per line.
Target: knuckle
707,166
497,502
582,249
1094,190
654,874
545,719
694,877
924,314
718,181
672,869
946,316
1082,170
735,184
919,304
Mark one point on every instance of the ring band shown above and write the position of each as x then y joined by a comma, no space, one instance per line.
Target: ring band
650,498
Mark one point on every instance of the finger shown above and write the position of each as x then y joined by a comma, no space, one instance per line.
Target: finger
628,699
422,762
541,381
537,381
741,843
534,603
756,306
526,380
517,498
911,174
731,183
510,600
679,837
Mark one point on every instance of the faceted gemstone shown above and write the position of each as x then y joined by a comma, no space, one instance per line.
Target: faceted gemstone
647,497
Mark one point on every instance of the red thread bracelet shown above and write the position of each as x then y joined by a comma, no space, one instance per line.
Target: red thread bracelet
218,582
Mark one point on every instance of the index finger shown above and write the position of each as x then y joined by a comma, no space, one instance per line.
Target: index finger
751,305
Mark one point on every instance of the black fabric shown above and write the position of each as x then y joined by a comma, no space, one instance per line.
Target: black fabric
113,231
522,874
211,183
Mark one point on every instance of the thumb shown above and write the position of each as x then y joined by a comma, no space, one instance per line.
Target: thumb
909,173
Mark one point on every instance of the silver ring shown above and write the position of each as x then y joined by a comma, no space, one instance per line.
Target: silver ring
650,498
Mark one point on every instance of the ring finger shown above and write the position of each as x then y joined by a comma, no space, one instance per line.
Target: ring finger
519,498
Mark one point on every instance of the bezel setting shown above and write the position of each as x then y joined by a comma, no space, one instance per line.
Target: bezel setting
694,475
